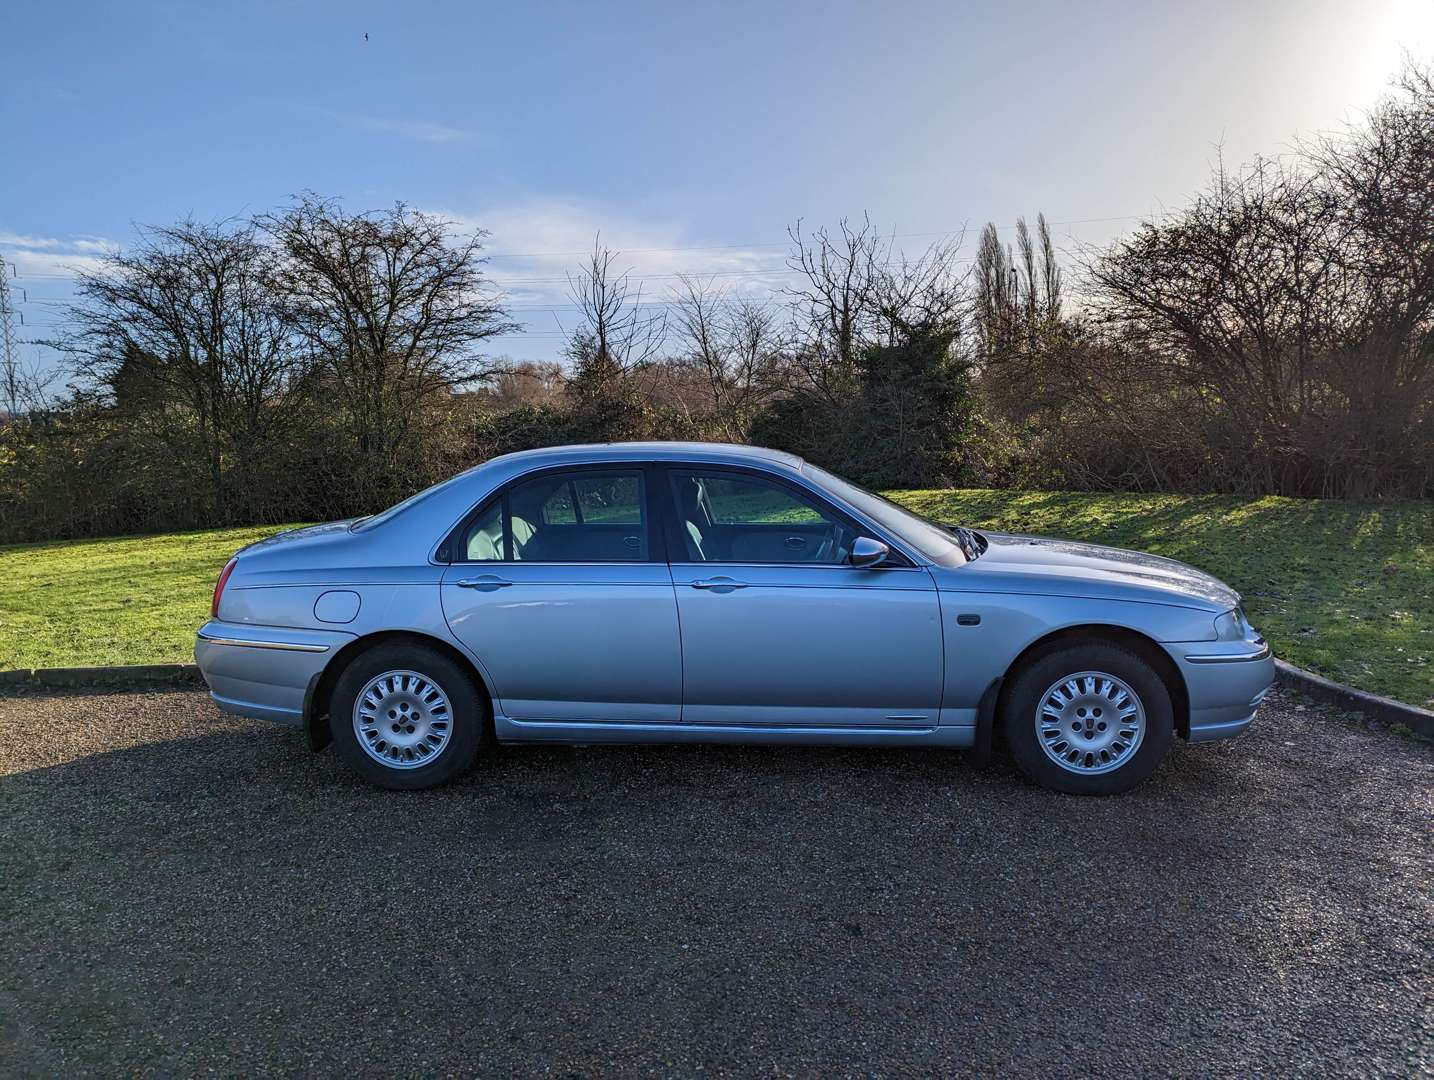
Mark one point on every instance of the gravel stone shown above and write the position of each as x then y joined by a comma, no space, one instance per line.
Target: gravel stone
184,892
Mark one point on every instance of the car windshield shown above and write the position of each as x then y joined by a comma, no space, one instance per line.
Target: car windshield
933,540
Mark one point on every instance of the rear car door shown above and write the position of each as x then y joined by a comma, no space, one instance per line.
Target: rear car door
560,587
777,628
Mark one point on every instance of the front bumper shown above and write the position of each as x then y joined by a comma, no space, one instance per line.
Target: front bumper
1225,681
264,672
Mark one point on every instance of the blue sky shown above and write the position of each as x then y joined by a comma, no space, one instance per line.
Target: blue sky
689,135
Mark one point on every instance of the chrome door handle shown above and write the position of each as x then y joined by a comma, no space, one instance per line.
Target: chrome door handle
485,583
718,584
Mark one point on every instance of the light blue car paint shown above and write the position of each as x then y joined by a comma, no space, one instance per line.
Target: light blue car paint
664,651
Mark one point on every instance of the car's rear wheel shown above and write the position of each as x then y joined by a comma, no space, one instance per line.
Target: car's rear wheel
1088,719
406,716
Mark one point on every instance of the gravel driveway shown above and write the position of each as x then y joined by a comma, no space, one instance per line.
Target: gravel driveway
181,892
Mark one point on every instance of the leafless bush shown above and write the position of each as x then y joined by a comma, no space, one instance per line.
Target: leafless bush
734,346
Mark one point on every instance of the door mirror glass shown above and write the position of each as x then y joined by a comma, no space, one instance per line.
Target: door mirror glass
867,552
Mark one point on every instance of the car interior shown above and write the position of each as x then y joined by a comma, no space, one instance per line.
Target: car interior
730,518
574,517
598,517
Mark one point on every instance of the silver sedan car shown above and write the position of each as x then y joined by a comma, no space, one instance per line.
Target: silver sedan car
687,592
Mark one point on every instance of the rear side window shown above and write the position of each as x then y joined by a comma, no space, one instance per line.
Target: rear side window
615,500
583,516
558,508
484,542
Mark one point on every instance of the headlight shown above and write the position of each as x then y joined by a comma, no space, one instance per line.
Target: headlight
1231,626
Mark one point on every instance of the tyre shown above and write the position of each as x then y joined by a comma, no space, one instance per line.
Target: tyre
408,717
1088,719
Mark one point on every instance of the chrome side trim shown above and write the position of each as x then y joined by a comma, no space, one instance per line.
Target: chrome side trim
664,727
1229,658
283,646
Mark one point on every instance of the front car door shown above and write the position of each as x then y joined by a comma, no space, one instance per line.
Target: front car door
560,587
777,628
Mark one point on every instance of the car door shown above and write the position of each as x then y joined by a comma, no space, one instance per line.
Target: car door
777,628
560,587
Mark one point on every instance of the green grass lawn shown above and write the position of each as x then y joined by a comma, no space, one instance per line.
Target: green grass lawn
116,600
1345,589
1342,588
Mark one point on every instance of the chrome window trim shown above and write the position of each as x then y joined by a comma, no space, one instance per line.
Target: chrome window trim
798,565
799,479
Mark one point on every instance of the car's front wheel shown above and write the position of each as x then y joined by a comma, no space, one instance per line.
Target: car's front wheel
406,716
1088,719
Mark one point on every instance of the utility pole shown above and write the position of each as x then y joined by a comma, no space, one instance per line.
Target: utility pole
9,358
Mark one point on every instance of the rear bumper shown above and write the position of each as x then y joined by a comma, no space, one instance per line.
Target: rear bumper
264,672
1225,682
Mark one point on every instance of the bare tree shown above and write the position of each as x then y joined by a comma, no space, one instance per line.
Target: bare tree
834,308
530,382
616,338
1290,308
616,344
26,385
1382,176
395,310
996,306
734,344
924,296
1018,296
1051,284
1232,299
188,315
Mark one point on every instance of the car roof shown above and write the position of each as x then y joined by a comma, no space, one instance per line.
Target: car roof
648,451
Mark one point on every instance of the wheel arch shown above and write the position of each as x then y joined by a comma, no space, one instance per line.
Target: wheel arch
316,705
1142,645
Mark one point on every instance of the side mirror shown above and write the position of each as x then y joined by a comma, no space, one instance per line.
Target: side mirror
867,552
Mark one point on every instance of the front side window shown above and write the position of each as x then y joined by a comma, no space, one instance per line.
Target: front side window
563,517
732,518
932,540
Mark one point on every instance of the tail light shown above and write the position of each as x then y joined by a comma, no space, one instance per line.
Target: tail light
219,586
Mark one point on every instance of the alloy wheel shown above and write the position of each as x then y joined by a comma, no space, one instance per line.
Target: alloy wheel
1090,723
402,719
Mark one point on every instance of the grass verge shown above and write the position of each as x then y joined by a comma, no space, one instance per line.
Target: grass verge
113,600
1342,588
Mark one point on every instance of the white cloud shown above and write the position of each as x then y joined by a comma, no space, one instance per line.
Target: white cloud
52,260
535,245
9,240
96,245
421,130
